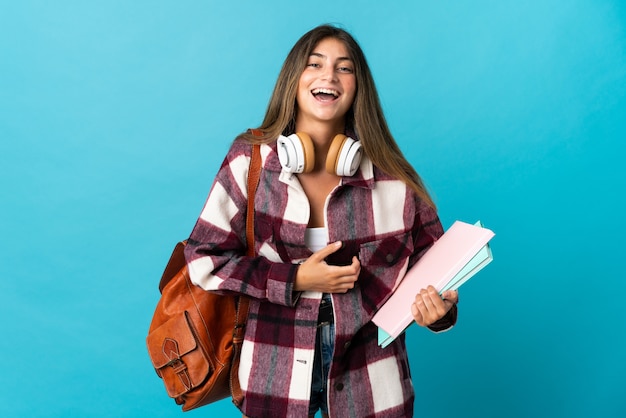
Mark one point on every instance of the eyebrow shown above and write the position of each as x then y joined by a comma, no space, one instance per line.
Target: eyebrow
319,55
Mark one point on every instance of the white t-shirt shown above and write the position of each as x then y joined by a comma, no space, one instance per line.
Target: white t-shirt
316,238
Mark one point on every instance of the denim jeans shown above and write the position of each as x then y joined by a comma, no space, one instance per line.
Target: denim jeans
324,346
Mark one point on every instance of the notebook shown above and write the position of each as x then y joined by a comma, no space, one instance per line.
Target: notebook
461,252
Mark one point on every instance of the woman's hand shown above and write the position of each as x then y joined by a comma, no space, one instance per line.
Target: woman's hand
429,307
316,275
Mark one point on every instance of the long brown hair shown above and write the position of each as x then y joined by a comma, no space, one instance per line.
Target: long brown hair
365,118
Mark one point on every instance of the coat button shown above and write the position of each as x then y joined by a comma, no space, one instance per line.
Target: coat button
389,258
339,387
346,345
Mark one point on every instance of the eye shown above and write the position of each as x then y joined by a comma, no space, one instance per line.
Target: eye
347,70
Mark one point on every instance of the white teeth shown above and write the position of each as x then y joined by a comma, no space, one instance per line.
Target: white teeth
326,91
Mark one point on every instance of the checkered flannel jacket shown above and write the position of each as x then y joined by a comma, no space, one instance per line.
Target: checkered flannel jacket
378,218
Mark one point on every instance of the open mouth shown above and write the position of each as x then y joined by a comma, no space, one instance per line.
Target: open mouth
325,94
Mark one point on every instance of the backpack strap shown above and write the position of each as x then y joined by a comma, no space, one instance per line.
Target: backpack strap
254,174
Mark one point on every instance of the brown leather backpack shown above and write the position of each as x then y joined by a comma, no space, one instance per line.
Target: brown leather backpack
195,337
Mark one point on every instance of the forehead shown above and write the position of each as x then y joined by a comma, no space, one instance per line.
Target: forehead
331,47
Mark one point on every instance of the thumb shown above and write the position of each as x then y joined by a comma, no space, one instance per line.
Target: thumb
451,295
327,250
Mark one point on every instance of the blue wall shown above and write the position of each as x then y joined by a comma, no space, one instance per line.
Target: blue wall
115,115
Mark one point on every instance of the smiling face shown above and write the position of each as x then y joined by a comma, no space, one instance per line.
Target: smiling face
327,86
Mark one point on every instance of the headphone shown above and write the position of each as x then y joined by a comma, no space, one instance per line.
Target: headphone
297,154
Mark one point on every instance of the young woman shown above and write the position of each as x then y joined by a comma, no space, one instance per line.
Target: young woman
333,239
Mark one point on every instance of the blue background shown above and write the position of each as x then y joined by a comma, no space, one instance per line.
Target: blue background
115,115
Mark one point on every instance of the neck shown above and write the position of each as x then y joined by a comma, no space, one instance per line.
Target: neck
322,133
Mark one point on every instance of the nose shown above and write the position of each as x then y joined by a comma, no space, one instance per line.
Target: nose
329,73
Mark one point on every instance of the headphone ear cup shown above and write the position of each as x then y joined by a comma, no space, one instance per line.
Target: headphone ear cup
333,153
308,150
296,153
344,156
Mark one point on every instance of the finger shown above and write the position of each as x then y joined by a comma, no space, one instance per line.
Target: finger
345,283
348,273
417,315
356,263
421,314
347,286
435,298
420,306
353,269
431,306
428,302
327,250
451,295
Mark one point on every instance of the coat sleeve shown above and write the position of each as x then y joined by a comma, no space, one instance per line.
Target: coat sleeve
216,248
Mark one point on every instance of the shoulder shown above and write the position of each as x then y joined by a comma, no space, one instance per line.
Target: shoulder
240,153
240,147
240,150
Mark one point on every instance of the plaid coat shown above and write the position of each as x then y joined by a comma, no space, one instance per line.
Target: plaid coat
378,218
